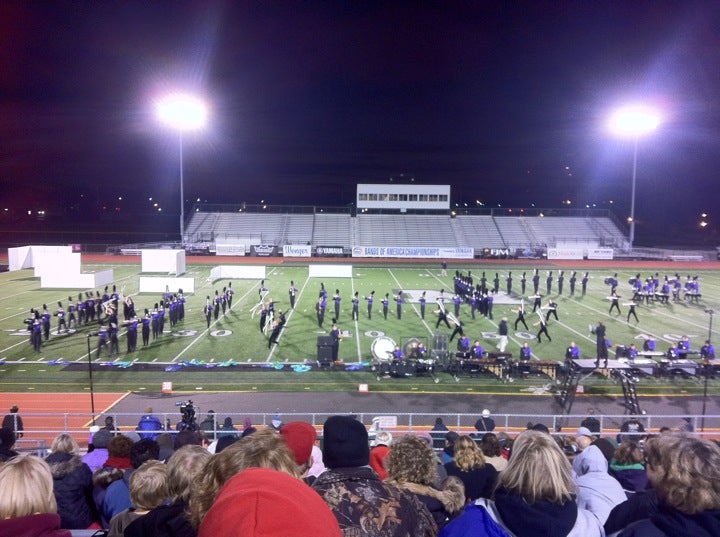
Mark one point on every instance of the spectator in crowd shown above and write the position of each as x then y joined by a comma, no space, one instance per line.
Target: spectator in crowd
96,458
379,452
264,501
27,503
411,466
584,438
262,449
685,472
7,442
448,452
361,502
187,437
117,494
149,425
535,496
166,444
492,451
223,443
148,489
171,520
300,437
438,434
598,491
208,426
228,429
632,429
628,467
485,423
14,422
591,423
72,484
110,425
276,422
469,465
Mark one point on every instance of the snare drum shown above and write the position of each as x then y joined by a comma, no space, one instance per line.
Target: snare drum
382,349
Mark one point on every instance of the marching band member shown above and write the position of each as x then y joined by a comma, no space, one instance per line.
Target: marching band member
477,351
370,298
355,306
520,316
423,302
458,327
632,312
385,304
551,310
399,300
543,328
292,292
614,298
572,352
336,300
442,314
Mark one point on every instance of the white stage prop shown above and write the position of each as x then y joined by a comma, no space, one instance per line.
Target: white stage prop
158,284
25,257
49,263
330,271
236,272
168,261
60,279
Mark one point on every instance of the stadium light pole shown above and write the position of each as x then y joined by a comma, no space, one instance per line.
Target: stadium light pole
633,121
182,112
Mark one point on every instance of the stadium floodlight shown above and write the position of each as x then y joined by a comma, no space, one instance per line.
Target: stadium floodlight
182,112
633,121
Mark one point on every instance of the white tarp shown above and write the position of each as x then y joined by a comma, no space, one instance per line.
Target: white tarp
158,284
238,272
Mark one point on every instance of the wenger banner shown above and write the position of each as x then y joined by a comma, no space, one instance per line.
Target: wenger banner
419,252
297,250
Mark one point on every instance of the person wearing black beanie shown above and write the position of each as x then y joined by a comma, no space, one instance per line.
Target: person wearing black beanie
357,496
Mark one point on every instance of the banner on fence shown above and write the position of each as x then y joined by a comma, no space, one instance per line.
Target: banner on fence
600,253
297,250
565,253
421,252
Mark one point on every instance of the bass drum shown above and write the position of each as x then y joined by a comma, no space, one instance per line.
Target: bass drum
382,349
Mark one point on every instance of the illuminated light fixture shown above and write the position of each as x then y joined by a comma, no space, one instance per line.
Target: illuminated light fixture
633,121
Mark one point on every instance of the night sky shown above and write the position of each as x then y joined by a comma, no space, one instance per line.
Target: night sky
505,101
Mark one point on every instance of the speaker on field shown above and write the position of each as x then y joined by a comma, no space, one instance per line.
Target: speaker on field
324,351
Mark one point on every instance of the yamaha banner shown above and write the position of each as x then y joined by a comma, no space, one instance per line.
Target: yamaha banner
329,251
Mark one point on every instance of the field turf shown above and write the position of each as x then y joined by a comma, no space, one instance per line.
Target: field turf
195,357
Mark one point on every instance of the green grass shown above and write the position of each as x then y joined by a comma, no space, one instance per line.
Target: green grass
236,337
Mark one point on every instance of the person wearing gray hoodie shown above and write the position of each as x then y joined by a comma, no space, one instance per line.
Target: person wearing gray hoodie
598,491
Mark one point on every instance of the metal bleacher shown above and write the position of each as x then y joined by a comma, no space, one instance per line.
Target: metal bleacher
342,229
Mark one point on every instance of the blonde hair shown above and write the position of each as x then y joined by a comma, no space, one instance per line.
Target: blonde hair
183,467
148,485
468,455
64,443
27,487
538,470
411,460
685,471
262,449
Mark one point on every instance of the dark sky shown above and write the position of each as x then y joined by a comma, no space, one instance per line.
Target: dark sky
309,98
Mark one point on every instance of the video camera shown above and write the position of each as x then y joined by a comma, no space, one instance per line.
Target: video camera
188,421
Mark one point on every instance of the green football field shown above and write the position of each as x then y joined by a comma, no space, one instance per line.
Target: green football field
196,357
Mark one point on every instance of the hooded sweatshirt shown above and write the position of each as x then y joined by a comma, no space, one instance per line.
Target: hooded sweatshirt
671,522
598,491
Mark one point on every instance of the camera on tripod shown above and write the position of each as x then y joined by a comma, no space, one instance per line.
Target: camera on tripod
187,411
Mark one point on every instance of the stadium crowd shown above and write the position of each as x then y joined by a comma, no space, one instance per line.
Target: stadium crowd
276,480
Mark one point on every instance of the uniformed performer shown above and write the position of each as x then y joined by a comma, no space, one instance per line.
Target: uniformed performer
102,341
572,352
632,311
458,328
551,310
230,294
132,327
537,301
355,306
561,281
275,334
523,281
60,314
336,337
146,328
370,298
263,316
336,300
320,309
573,279
45,318
614,303
584,283
207,310
548,283
423,302
442,314
543,328
292,292
399,300
385,304
508,283
477,351
520,316
72,309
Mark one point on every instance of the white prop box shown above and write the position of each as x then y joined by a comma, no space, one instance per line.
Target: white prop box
330,271
23,257
155,284
168,261
67,280
49,263
237,272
